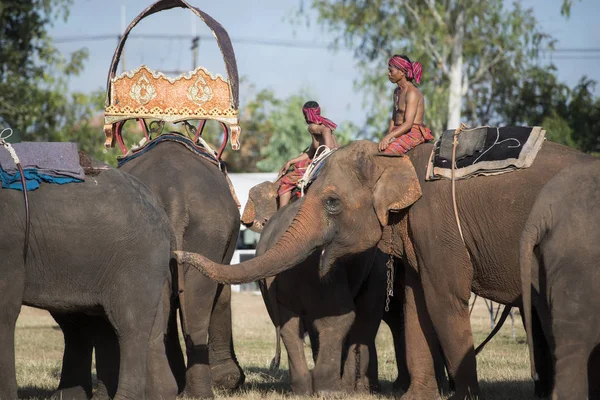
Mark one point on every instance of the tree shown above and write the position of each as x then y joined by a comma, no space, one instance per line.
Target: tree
460,44
33,73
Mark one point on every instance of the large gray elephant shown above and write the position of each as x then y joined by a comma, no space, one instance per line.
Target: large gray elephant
560,256
260,208
344,312
344,212
100,247
205,219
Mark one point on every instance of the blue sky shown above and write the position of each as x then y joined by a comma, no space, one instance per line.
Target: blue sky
327,74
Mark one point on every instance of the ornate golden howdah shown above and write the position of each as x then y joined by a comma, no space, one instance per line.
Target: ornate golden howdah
144,93
195,95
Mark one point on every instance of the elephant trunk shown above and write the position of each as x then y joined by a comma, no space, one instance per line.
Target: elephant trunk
297,243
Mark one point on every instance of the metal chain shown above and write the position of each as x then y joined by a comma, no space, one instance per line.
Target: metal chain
390,282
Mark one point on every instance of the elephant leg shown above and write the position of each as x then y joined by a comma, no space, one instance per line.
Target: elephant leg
198,305
544,363
394,318
174,351
292,336
76,374
593,373
133,326
161,382
571,380
447,299
107,356
332,331
361,369
420,341
224,368
11,288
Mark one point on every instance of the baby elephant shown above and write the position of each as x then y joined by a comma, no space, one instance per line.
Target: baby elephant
560,253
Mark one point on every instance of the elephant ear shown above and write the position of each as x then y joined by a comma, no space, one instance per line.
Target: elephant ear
397,187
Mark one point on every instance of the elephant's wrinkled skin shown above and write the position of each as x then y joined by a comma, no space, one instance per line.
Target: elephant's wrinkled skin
296,290
345,310
87,255
560,256
205,219
343,214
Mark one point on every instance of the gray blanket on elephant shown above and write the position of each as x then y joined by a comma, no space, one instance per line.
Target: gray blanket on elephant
56,159
485,151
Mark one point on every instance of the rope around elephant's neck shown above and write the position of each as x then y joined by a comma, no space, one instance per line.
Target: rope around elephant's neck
17,161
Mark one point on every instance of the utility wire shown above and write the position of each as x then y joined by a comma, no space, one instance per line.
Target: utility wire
252,41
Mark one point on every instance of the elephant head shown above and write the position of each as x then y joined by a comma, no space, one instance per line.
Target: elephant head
261,205
343,213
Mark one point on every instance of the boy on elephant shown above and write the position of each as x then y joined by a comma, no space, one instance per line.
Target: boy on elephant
406,128
321,130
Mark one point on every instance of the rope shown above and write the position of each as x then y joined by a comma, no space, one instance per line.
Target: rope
7,145
454,146
13,154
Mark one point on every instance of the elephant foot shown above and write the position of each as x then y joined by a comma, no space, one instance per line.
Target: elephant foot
421,394
198,382
227,376
72,393
331,394
466,396
361,385
302,387
401,384
542,389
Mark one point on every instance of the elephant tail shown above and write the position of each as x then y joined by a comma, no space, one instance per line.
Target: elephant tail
505,314
530,238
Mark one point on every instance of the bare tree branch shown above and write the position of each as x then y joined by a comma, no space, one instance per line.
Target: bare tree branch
427,39
486,66
436,14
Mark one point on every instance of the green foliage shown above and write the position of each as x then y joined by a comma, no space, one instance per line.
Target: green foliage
427,31
558,130
565,9
502,82
33,73
289,134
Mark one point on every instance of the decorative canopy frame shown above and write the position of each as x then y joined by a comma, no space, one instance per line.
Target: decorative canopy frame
195,95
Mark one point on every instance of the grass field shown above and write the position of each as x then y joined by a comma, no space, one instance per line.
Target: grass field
503,366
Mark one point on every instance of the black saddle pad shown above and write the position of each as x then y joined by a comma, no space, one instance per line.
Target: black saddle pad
481,144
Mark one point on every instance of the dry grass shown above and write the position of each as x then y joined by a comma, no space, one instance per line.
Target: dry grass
503,366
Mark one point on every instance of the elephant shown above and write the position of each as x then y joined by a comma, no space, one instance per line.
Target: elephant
291,296
348,309
357,192
204,218
100,248
559,257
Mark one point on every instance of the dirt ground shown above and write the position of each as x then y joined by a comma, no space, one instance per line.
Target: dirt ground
503,366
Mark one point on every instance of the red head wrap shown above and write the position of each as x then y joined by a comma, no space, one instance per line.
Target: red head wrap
313,115
412,71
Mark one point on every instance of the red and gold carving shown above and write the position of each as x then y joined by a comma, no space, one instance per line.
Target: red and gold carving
144,93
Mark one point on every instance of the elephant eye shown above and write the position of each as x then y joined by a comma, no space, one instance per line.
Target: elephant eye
333,205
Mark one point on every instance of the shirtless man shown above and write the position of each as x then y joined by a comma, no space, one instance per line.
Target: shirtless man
406,129
321,130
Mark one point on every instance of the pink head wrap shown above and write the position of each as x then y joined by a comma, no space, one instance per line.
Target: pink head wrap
314,115
412,71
